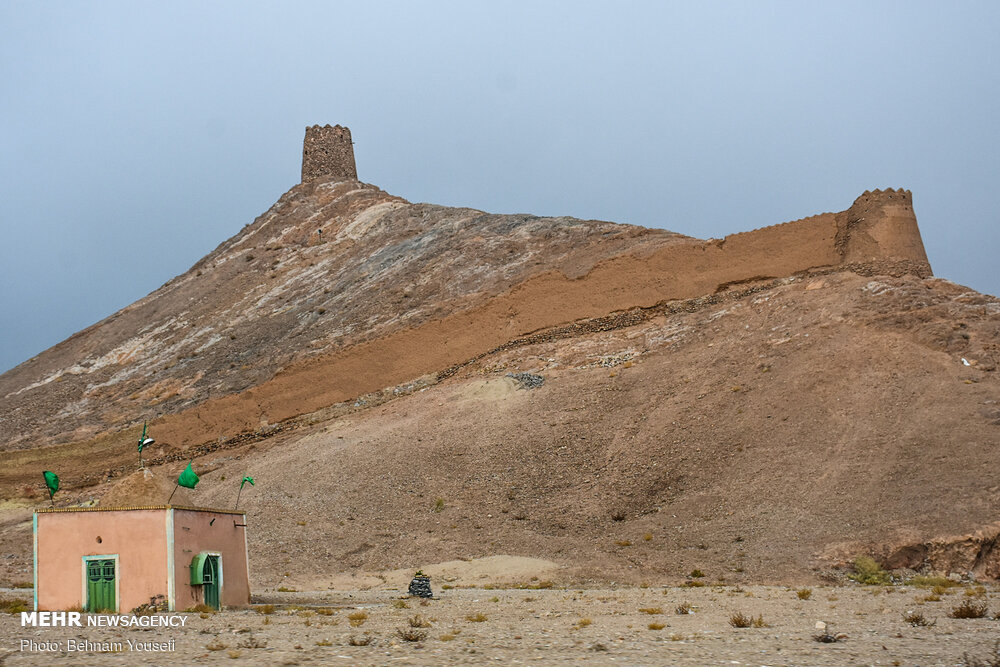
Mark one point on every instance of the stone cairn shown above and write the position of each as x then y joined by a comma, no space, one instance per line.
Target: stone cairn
420,586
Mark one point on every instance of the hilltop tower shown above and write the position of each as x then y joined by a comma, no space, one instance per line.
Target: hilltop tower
328,151
880,232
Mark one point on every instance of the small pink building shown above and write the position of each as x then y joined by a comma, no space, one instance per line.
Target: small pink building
117,558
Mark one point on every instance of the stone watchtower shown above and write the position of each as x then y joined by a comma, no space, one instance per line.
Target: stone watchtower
328,151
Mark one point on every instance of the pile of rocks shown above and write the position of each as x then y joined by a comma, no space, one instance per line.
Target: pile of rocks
420,587
156,605
527,380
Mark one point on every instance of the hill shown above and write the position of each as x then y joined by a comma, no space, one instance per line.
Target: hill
414,384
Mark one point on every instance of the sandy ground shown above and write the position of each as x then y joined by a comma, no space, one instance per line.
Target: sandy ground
632,626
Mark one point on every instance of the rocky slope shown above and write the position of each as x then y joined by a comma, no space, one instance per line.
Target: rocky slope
363,358
331,264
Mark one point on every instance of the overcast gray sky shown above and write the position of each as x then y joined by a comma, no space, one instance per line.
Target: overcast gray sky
135,137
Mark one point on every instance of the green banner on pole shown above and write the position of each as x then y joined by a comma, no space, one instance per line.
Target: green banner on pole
188,479
51,481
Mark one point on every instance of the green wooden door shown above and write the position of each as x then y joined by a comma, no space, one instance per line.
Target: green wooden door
210,577
101,585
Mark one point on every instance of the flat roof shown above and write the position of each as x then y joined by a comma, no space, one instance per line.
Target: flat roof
54,510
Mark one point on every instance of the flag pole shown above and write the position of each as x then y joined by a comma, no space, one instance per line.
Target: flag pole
236,506
142,443
176,486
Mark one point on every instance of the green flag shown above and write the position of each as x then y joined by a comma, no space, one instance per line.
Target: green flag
188,479
51,481
245,480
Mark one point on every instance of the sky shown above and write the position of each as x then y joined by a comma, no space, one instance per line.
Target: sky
136,137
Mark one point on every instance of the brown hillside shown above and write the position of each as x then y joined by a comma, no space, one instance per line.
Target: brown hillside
762,434
760,437
762,407
340,290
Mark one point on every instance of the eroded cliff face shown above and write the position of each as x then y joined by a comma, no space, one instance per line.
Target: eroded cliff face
341,289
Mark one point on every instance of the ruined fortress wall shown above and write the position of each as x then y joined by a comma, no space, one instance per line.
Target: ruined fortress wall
878,234
328,151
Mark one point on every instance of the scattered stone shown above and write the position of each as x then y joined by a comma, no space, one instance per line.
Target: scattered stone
527,380
156,605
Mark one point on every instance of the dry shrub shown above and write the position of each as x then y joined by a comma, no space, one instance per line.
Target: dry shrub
253,642
418,621
926,581
869,572
216,645
476,618
13,605
740,620
969,609
264,609
804,593
411,634
400,604
363,640
917,620
656,626
684,608
651,610
357,618
975,592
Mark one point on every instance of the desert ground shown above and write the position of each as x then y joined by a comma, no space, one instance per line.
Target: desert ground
627,625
